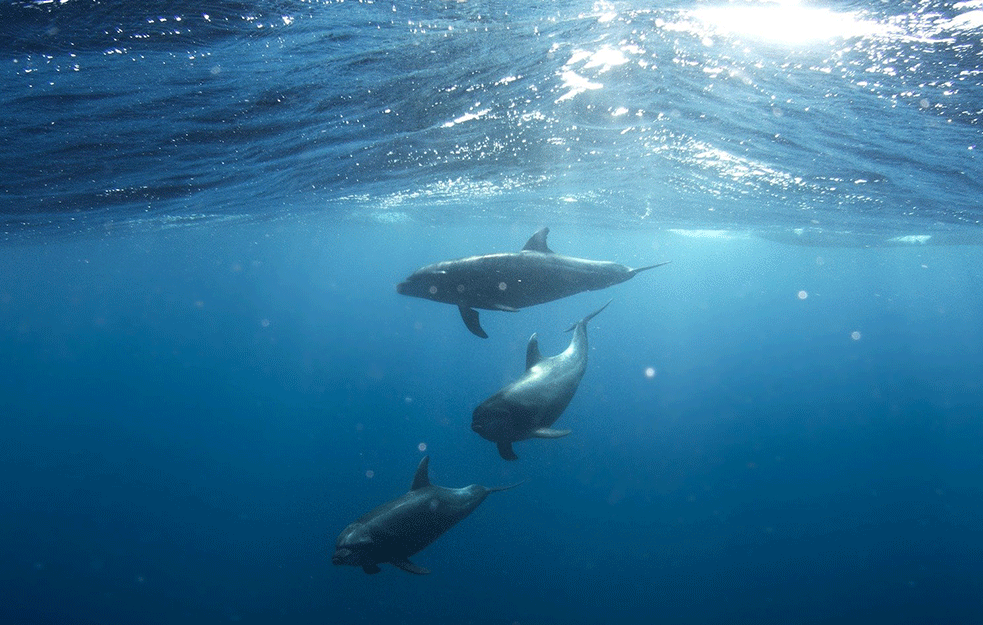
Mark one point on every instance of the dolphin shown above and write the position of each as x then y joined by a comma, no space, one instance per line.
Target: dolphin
528,407
400,528
512,280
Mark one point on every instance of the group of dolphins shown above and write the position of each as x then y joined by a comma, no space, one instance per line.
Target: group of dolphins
524,409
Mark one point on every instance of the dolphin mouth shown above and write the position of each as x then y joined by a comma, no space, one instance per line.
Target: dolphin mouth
484,432
340,555
401,288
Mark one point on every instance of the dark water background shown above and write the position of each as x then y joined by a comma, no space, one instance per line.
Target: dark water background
207,371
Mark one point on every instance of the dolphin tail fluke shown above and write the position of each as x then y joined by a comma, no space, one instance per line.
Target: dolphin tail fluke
506,452
409,567
632,272
589,317
470,317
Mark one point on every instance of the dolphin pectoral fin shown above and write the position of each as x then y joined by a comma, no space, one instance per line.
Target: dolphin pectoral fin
470,317
409,567
537,242
632,272
506,452
548,433
371,569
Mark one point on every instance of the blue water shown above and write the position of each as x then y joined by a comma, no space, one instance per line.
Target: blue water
207,372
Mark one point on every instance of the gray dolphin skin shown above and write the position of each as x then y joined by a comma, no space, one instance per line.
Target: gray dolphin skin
528,407
512,280
400,528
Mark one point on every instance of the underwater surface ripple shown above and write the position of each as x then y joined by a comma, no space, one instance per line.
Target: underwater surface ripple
838,116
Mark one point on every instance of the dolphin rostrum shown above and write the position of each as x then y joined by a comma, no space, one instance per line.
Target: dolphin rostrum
528,407
400,528
512,280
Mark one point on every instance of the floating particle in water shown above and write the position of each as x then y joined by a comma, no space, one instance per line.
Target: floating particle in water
265,323
370,474
855,335
803,295
502,286
422,446
408,400
650,372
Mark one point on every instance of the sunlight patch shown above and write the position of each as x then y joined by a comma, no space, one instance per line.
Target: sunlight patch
576,84
969,20
599,61
709,234
911,239
466,118
786,23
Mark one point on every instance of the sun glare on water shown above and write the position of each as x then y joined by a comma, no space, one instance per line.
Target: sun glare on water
786,22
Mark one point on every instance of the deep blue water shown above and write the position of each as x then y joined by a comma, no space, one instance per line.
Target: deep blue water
208,373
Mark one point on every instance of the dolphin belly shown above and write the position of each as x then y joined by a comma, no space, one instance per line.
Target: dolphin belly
515,281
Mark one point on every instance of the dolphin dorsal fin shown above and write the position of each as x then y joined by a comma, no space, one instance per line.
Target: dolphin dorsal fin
537,242
532,352
422,477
